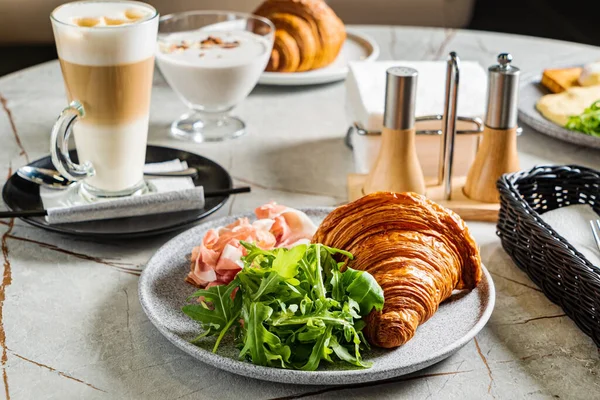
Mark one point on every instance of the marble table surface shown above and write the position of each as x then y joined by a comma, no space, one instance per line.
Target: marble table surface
71,326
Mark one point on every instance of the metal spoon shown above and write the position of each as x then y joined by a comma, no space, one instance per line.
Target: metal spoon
54,180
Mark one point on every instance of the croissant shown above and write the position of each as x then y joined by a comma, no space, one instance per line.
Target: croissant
308,34
417,250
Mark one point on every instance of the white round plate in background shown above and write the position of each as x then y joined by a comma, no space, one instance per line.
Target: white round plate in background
357,47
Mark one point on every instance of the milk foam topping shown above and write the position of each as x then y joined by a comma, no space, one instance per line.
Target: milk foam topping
105,33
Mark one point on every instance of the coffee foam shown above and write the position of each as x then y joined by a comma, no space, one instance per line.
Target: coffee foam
105,33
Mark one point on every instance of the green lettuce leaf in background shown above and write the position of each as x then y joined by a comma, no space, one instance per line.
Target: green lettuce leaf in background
587,122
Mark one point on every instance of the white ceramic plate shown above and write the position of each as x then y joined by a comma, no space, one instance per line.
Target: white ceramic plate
530,92
357,47
163,292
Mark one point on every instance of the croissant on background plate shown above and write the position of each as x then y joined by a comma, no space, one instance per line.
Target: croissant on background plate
417,250
308,34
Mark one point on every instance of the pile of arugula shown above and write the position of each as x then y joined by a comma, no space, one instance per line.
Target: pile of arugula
290,308
588,122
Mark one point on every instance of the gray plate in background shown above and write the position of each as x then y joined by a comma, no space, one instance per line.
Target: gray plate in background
162,292
531,91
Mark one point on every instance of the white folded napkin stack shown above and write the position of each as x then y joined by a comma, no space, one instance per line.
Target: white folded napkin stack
365,100
168,195
573,223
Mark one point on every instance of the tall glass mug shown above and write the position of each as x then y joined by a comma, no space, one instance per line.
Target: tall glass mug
106,52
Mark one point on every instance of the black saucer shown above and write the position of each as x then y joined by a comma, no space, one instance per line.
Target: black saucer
19,194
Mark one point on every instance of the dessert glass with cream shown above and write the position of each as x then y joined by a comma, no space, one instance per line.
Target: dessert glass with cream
212,60
106,53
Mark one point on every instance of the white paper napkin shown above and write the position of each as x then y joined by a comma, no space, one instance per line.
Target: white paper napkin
573,223
64,203
365,90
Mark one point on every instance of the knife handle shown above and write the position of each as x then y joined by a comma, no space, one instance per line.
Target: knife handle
22,214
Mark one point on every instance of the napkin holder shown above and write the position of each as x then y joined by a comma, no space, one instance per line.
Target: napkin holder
446,188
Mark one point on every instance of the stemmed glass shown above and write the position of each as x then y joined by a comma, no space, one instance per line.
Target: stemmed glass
212,60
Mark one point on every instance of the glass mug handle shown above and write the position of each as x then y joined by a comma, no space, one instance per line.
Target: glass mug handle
59,144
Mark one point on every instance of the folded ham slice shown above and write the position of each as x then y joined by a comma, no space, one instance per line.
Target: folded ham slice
290,225
217,260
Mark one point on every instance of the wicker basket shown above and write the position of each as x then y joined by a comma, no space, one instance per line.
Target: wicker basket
564,275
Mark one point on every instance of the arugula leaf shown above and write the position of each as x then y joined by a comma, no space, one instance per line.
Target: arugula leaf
320,351
217,311
268,285
260,345
286,262
337,287
364,289
343,354
257,256
284,267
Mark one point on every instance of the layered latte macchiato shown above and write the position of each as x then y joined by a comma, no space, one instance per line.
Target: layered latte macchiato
106,52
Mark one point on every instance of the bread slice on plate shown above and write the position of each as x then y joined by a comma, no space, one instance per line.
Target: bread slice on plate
559,80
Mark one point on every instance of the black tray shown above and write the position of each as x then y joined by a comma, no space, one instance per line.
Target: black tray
19,194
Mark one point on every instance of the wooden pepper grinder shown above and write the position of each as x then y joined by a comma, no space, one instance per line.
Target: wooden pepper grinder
397,168
497,153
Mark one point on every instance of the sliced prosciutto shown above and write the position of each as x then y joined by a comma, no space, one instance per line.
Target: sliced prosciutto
217,260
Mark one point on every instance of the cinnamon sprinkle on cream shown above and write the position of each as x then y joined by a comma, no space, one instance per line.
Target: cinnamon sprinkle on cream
209,42
231,45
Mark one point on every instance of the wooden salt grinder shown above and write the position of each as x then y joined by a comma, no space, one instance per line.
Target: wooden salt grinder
397,168
497,152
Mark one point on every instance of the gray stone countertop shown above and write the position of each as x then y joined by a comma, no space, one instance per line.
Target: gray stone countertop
71,326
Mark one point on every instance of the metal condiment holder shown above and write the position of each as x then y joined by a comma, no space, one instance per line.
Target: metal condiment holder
449,125
444,189
358,129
